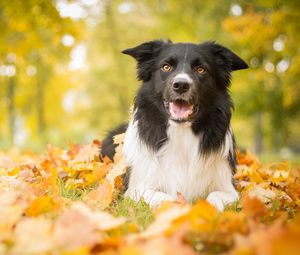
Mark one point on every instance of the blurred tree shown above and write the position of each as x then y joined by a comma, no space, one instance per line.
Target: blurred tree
126,24
272,48
31,39
42,95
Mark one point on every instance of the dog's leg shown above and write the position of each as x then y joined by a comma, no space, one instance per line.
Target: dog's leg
152,197
145,170
221,198
224,192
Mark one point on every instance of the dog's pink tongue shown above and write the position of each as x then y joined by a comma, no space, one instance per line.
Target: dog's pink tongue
180,109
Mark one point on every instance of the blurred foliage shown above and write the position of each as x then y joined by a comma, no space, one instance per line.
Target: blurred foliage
63,79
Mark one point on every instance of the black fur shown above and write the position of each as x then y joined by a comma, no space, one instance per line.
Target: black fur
209,92
108,146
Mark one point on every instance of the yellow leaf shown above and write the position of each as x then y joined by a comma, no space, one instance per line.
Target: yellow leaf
201,216
40,205
119,139
100,220
254,176
164,220
33,236
118,169
101,196
78,251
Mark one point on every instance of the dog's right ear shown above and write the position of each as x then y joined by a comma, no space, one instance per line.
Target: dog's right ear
145,55
145,51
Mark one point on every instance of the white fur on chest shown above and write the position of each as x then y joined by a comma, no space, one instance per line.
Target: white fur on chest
182,168
177,166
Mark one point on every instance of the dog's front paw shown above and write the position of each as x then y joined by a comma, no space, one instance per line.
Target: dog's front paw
151,197
216,201
157,198
219,199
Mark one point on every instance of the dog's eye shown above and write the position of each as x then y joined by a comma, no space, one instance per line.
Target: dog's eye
200,70
166,68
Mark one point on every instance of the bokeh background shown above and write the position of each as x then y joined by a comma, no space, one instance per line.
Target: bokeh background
63,79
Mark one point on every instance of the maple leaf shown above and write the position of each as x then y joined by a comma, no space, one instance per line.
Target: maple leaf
180,199
29,187
247,158
40,205
73,230
171,245
12,206
253,207
101,220
119,139
100,197
275,239
33,236
164,220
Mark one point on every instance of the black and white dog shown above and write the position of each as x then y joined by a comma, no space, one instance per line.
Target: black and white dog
179,137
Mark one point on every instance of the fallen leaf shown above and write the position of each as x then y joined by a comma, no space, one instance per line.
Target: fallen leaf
33,236
101,220
117,170
73,230
100,197
40,205
164,220
253,207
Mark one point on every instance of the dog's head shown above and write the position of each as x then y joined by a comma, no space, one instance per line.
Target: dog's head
187,77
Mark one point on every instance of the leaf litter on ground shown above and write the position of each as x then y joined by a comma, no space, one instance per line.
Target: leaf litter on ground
69,201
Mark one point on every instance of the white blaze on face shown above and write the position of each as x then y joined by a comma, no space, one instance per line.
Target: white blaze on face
183,77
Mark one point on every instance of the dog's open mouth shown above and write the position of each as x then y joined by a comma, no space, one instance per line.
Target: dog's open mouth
180,110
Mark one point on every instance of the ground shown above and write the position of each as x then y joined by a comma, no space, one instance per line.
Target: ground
68,201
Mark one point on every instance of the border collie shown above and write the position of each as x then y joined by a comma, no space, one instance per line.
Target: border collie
179,137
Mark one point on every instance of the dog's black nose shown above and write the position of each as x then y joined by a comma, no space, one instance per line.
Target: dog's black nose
181,87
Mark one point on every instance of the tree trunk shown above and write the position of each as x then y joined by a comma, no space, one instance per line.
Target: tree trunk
11,108
40,101
278,118
114,42
258,133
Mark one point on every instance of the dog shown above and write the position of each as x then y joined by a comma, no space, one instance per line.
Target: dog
179,138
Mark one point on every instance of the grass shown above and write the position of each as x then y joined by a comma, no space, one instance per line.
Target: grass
235,206
139,213
72,194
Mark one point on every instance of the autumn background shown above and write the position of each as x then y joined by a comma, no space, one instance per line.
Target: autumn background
63,79
64,84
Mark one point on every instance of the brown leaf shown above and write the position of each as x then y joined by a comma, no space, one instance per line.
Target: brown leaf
119,139
164,220
74,230
117,170
87,153
101,196
33,236
247,158
101,220
180,199
253,207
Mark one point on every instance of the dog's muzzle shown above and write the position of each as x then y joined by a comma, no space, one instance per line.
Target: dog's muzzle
180,104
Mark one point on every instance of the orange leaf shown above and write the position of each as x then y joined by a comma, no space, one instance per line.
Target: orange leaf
40,205
100,197
253,207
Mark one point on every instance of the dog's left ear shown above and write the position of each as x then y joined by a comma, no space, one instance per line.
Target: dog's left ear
145,55
227,59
